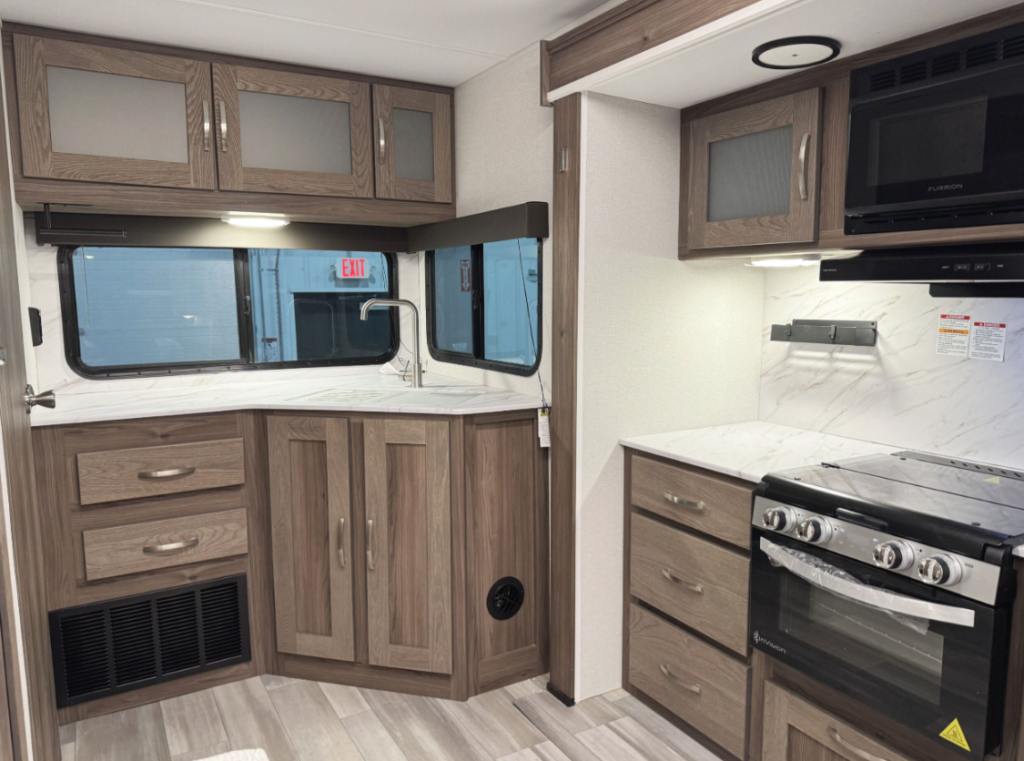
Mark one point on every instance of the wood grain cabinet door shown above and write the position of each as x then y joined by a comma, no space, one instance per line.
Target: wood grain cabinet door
795,730
754,174
413,139
310,508
408,536
279,132
101,114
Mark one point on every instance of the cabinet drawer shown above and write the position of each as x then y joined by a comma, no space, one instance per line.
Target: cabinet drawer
701,584
706,503
153,471
702,686
140,547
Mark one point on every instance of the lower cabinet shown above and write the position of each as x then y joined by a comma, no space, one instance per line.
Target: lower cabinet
311,517
795,730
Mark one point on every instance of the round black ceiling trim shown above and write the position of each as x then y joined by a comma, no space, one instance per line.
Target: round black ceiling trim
796,52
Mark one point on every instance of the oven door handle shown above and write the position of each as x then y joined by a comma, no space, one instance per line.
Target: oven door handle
826,577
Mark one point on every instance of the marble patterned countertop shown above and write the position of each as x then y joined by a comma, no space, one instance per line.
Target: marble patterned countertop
751,450
370,392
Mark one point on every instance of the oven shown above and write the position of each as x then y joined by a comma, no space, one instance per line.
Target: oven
935,138
930,659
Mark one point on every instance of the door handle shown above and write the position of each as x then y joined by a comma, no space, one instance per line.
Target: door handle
805,144
43,399
381,139
369,544
223,127
341,542
207,125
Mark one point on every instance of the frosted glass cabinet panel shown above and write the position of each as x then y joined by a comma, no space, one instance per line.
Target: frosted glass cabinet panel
107,115
413,138
754,174
279,132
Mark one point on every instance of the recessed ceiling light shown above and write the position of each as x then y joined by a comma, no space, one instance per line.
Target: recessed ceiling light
796,52
244,219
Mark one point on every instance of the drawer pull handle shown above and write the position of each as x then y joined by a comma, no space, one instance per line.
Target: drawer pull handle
160,549
341,542
688,503
694,688
863,754
154,475
369,545
676,580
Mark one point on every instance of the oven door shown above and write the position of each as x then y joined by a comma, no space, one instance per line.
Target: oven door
950,145
922,656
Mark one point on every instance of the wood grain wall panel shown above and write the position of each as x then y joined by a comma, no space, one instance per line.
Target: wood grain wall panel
566,235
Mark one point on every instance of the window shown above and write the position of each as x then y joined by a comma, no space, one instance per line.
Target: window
139,311
483,305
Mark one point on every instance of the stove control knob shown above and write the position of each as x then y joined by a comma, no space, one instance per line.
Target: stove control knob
779,519
894,555
815,530
940,570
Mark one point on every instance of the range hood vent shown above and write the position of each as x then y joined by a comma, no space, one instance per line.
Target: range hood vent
964,264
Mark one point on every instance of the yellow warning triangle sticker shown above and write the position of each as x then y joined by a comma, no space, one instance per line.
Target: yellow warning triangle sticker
954,734
993,480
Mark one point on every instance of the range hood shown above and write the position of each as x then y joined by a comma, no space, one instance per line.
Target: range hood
978,264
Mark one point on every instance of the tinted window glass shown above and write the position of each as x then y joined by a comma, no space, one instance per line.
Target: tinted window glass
511,305
453,299
155,306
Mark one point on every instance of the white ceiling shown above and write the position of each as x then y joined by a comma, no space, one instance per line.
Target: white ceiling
441,42
716,59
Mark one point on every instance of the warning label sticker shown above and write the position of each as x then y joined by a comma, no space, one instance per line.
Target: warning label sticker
988,341
955,734
954,335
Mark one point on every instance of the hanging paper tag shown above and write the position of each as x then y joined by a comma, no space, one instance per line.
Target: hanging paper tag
544,427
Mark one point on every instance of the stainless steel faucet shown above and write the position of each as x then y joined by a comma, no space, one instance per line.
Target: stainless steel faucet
417,370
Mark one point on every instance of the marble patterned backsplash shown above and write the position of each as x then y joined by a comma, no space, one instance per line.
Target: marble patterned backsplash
900,392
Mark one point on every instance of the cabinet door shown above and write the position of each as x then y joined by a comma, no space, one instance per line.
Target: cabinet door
408,536
310,508
413,130
754,174
795,730
106,115
279,132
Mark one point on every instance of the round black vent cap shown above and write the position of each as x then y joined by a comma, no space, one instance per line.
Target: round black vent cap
505,598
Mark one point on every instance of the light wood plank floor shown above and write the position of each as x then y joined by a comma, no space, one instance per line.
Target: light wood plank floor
295,720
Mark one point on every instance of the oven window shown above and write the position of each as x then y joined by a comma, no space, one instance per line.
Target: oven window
928,144
903,652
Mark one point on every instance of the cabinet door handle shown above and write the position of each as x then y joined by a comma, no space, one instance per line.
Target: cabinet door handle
341,542
805,144
687,503
694,688
159,549
223,126
676,580
381,139
369,545
155,475
862,754
207,125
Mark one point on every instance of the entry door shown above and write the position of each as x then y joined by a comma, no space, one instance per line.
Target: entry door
408,535
311,514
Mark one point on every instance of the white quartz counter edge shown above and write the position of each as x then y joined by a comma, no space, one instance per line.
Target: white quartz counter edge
750,451
368,394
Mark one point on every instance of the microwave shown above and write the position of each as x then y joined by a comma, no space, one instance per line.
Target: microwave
936,138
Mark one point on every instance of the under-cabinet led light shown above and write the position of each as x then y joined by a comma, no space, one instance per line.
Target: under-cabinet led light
265,221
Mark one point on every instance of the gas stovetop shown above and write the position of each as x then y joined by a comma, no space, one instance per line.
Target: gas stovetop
955,505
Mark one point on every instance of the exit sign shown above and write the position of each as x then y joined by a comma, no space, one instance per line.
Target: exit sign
351,268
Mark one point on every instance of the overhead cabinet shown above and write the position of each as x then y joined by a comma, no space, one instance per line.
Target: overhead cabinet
754,174
414,144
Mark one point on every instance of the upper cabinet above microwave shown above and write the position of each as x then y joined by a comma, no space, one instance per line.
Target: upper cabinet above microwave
262,138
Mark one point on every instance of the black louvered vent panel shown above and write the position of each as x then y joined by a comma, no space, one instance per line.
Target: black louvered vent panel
221,631
131,629
179,632
946,64
122,645
883,80
914,72
979,55
1013,46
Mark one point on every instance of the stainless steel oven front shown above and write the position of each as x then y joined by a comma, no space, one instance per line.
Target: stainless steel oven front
932,660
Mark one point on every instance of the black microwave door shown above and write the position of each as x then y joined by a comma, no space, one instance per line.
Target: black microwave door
935,677
939,146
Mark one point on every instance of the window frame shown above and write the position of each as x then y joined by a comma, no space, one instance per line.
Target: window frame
477,358
247,348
